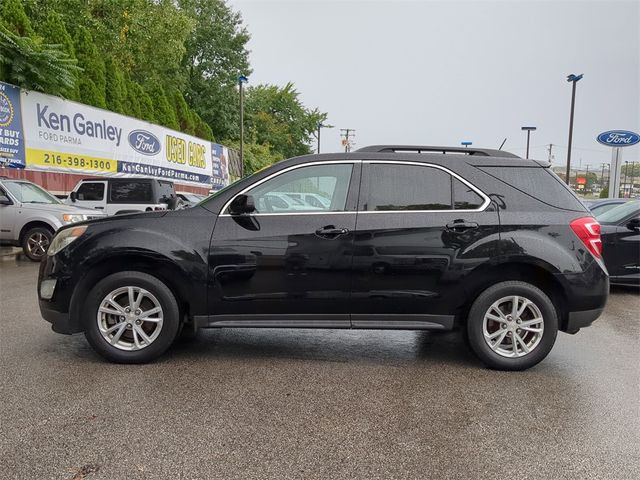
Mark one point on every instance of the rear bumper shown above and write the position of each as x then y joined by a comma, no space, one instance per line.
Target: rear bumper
581,319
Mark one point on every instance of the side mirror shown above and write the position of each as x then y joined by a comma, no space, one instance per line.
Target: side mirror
634,224
242,205
4,200
73,196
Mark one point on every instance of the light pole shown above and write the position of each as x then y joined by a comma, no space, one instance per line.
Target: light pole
528,130
321,125
466,143
624,189
241,81
573,79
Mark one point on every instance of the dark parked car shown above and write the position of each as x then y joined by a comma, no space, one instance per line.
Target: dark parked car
413,238
602,205
621,243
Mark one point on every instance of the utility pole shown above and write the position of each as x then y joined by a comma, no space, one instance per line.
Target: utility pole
633,167
347,134
624,188
573,79
602,177
550,148
241,81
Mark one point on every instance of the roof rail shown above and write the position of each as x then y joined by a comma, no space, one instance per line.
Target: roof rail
486,152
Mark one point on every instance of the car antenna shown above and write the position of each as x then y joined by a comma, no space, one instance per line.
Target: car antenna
503,142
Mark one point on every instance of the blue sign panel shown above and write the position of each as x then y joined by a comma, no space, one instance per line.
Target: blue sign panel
618,138
11,133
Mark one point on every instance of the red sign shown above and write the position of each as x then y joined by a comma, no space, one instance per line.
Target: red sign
581,180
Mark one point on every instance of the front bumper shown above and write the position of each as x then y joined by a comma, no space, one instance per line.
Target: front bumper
60,322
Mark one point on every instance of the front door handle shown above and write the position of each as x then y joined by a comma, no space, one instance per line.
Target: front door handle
331,231
458,226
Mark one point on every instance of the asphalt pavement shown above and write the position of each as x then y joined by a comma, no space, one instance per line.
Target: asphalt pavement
339,404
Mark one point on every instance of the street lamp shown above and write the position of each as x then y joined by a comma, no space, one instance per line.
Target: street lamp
241,81
573,79
321,125
528,130
466,143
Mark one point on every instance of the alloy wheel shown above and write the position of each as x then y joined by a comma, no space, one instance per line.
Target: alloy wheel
37,244
513,326
130,318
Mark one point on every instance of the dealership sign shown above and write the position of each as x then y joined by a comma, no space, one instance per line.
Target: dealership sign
618,138
47,133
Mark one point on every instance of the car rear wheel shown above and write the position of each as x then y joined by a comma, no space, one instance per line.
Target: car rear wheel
35,243
131,317
512,326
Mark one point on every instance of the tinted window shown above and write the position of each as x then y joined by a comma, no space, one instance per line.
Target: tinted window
165,190
464,197
282,193
539,183
408,187
131,191
91,191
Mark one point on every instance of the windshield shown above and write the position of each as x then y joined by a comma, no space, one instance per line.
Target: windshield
615,215
30,193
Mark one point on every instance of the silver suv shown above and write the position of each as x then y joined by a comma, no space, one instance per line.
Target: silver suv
29,216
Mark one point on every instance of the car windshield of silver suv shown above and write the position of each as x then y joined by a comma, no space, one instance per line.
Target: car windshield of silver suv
30,193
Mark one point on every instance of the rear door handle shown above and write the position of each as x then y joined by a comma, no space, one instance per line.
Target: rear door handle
331,231
460,226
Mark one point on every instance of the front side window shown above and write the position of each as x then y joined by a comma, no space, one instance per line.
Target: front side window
285,193
408,187
92,191
131,191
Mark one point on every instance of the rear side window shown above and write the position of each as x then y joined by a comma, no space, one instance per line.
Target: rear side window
539,183
131,191
396,187
91,191
408,187
165,189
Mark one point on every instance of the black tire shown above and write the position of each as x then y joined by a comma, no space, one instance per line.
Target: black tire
170,313
35,243
482,304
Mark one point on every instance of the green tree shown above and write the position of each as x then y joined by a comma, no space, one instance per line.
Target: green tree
93,80
131,101
164,111
54,31
183,114
14,18
256,155
115,88
216,53
277,117
147,111
604,193
201,128
30,64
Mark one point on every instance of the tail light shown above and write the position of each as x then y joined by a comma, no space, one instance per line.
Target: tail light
588,230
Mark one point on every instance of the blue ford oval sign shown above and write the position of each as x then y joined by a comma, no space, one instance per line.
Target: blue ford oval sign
144,142
618,138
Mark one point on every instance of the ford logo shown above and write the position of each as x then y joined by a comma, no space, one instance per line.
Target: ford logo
618,138
144,142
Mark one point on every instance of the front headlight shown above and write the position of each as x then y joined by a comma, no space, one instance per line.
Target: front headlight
73,217
64,237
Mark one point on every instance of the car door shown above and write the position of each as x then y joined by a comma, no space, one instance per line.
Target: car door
420,230
621,250
91,194
279,266
7,218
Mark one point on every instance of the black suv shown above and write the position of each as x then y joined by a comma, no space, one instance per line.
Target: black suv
402,237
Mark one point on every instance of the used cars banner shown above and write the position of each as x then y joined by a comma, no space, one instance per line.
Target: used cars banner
65,136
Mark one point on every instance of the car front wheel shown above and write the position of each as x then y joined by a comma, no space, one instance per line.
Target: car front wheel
512,326
131,317
35,243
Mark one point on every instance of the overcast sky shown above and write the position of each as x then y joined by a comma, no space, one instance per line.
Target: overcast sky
439,72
